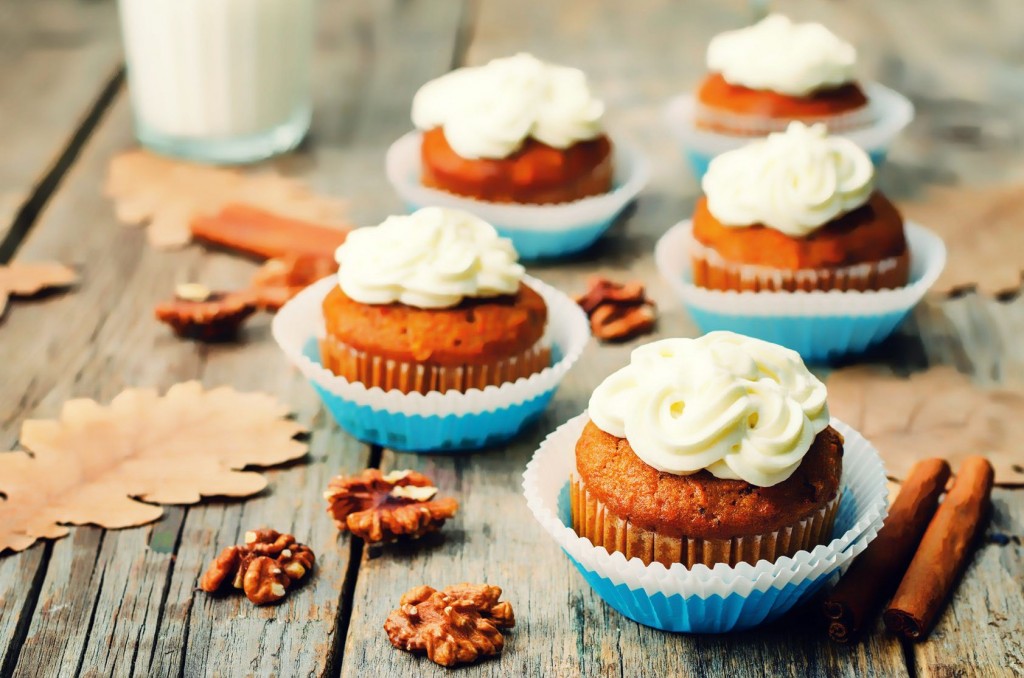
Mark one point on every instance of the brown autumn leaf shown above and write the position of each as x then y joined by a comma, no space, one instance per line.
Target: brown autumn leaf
168,194
935,413
984,232
24,280
97,464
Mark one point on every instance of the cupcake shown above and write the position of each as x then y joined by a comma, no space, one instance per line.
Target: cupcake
767,75
710,450
797,211
432,302
516,130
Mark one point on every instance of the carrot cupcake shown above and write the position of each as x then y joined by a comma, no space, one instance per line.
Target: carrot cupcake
764,76
797,211
433,301
516,130
709,450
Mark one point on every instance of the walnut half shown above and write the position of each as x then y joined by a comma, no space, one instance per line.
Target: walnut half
379,508
617,312
265,567
457,625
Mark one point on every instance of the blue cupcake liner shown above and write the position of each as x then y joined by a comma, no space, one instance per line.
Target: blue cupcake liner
429,433
702,599
432,422
536,231
892,113
820,326
703,615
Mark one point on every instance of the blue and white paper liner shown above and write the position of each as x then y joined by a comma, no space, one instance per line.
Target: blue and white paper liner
431,422
537,231
820,326
703,599
892,113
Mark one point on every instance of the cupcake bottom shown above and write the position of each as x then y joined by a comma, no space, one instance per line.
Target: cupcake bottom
592,520
408,377
711,271
737,124
597,181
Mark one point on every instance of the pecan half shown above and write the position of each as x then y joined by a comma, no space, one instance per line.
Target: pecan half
457,625
617,311
378,507
601,290
265,567
620,323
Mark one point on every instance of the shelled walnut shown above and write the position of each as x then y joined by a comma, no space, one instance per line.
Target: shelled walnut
202,314
617,311
265,567
205,315
379,508
457,625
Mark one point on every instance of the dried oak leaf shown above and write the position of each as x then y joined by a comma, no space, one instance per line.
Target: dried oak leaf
24,280
168,194
984,235
378,508
938,412
457,625
265,567
97,463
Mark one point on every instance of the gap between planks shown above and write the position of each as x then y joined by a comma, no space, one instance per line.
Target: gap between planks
46,186
24,219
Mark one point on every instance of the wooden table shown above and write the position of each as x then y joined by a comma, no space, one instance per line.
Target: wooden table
125,602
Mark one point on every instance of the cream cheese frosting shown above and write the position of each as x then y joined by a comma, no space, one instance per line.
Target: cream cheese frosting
782,56
433,258
490,111
738,407
794,181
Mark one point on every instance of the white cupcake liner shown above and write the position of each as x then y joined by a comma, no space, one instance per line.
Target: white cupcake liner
535,230
819,325
890,110
434,421
706,599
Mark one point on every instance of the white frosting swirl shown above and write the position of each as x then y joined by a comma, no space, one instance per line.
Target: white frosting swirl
433,258
489,111
739,407
785,57
794,181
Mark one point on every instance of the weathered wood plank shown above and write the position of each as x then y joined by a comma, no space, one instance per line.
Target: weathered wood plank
638,57
57,56
135,609
981,633
404,43
109,605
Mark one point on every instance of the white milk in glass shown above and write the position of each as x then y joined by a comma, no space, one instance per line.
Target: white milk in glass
219,80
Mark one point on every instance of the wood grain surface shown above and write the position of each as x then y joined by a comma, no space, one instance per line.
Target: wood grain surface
60,62
125,602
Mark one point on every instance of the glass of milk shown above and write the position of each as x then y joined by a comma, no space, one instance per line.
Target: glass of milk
223,81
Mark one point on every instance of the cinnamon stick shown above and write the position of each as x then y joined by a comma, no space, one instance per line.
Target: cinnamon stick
264,234
875,574
943,553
